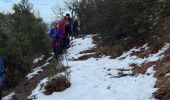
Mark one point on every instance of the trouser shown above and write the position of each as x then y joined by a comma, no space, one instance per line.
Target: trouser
75,33
56,47
66,41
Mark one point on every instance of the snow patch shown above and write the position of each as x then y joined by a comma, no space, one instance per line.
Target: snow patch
150,70
168,74
8,97
80,45
159,55
49,59
38,59
38,89
36,70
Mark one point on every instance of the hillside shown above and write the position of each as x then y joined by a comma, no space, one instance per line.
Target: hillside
92,50
135,75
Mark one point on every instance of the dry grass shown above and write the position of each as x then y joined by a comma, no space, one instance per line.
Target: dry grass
162,67
141,69
163,82
142,53
57,84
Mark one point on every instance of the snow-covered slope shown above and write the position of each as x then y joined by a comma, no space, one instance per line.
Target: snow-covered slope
98,78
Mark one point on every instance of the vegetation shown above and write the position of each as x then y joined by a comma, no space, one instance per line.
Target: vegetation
57,84
23,36
125,22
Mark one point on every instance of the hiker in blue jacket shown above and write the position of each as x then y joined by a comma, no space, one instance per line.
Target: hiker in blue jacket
56,38
1,76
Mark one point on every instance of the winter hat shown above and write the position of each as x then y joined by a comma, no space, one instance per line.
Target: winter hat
68,14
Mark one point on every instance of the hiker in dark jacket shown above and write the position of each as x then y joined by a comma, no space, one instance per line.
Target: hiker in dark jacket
1,76
68,30
75,28
67,33
70,20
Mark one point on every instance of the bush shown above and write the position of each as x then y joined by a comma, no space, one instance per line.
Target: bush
57,84
156,44
122,18
115,20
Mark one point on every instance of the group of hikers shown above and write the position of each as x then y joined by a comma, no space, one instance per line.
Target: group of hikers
61,31
60,34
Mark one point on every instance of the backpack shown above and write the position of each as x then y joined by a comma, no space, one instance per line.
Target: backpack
1,69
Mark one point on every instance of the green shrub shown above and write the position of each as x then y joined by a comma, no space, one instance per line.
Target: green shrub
23,36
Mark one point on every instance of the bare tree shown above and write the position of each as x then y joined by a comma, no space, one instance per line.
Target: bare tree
71,6
59,11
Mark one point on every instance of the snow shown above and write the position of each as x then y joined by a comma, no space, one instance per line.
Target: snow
150,70
38,59
38,89
36,71
96,78
158,56
168,74
49,59
145,46
80,45
8,97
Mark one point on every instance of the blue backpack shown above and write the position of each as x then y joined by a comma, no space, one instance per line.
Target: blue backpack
1,69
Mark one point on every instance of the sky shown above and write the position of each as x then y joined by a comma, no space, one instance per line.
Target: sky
43,6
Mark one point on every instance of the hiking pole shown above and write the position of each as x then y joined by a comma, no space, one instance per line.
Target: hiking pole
67,76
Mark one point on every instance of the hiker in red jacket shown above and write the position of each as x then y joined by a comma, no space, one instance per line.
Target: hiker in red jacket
61,25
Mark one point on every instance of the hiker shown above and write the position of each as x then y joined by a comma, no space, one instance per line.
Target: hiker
1,76
56,38
75,27
59,38
68,30
61,25
84,25
70,20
